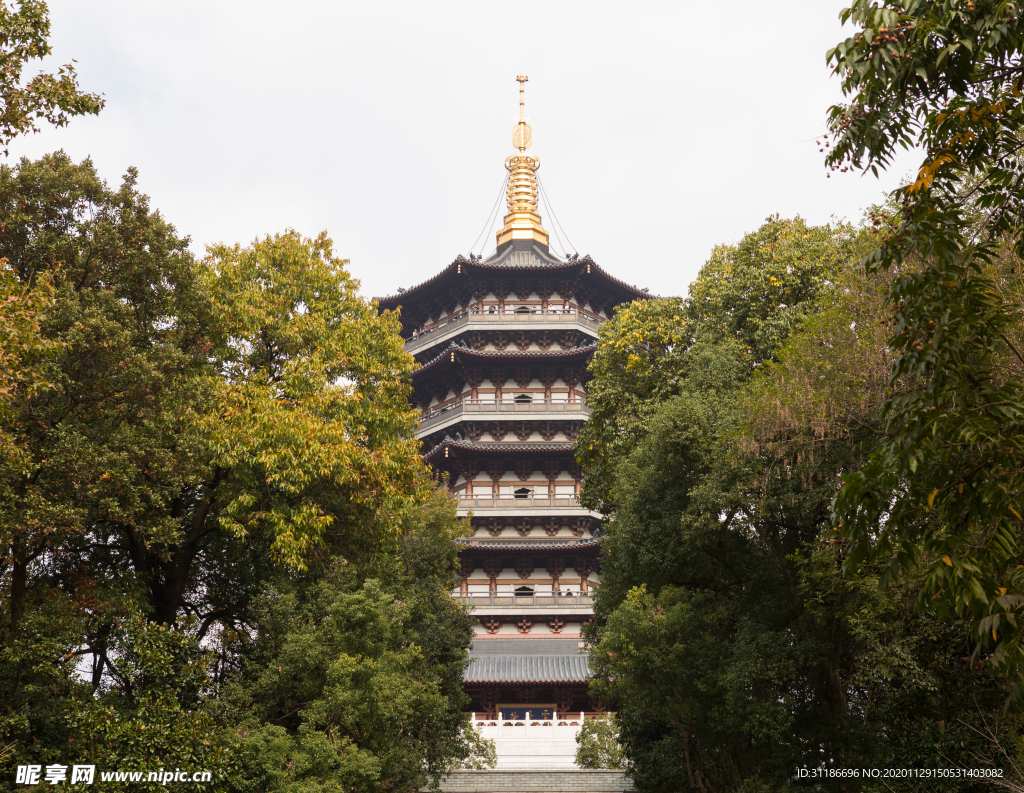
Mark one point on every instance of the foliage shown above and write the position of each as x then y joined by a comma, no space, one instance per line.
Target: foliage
725,636
598,745
759,290
636,368
214,453
944,489
313,420
751,294
144,716
55,98
352,683
22,346
105,448
147,716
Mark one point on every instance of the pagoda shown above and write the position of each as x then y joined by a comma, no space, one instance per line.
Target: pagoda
503,344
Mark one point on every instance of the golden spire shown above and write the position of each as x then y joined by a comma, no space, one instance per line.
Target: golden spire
522,221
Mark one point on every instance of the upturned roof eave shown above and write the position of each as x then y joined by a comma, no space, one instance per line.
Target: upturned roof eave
528,669
476,544
391,302
497,448
497,355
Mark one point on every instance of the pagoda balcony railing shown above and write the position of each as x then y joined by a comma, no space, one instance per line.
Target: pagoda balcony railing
509,600
490,410
552,318
489,501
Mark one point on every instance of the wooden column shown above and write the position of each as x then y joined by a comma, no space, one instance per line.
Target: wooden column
555,568
584,568
469,470
492,568
466,568
495,470
499,376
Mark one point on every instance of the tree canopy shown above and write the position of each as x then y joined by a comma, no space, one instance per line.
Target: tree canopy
54,98
944,489
208,465
726,636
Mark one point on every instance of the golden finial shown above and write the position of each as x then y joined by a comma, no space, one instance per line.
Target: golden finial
522,135
522,221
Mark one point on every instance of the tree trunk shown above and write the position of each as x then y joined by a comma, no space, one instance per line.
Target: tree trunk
19,582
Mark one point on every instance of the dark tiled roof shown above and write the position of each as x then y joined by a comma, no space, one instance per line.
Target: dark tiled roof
393,301
518,545
461,353
528,669
503,449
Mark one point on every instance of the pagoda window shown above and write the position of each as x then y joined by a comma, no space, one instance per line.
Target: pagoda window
523,399
523,310
524,591
522,492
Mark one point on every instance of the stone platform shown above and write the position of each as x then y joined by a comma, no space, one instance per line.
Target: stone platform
536,781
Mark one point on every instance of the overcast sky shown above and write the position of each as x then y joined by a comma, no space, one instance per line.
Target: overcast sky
663,128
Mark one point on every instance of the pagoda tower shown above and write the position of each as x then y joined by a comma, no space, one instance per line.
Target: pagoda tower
503,345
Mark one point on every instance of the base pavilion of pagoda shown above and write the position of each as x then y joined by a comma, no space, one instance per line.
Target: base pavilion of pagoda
503,344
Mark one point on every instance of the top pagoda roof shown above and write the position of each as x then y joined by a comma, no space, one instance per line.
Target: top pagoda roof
514,259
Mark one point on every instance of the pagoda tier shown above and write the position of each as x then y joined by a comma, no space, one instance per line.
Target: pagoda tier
491,396
537,588
513,676
513,699
512,281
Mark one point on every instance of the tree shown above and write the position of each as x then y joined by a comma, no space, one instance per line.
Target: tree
598,745
725,634
208,451
126,325
944,489
314,422
205,415
54,98
352,683
762,288
752,294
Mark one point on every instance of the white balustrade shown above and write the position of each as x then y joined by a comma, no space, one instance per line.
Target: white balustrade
533,742
483,408
449,325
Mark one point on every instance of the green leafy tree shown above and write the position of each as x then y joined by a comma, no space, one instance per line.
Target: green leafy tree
944,489
54,98
354,683
751,294
97,452
598,745
725,636
200,442
759,290
314,422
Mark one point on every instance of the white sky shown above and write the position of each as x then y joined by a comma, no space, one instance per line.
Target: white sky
663,128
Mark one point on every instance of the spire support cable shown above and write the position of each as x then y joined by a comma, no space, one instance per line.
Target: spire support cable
551,209
547,205
489,223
